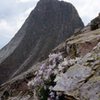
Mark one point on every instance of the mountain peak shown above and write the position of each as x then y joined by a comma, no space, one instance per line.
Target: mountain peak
49,24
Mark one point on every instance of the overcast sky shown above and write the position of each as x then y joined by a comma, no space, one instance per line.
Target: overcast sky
14,12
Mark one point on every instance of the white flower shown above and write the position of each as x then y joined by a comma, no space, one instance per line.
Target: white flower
65,62
31,83
40,72
60,57
52,94
60,67
51,87
51,66
78,58
54,56
42,67
72,61
36,73
55,71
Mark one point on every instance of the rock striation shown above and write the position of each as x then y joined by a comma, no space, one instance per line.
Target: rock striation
49,24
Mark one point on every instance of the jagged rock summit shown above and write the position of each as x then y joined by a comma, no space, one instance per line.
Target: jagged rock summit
49,24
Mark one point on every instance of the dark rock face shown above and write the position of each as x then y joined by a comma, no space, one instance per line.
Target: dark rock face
49,24
95,23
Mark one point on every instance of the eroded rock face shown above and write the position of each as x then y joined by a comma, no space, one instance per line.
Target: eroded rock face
49,24
82,80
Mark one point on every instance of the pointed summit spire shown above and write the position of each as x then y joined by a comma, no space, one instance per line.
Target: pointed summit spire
48,25
48,0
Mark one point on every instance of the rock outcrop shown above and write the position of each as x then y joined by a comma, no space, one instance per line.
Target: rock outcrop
71,69
49,24
95,23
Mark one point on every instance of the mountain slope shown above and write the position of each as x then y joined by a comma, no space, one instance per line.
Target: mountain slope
72,69
49,24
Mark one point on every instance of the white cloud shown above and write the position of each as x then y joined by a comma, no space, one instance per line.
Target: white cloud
23,0
12,18
22,17
14,12
8,29
6,32
88,9
5,27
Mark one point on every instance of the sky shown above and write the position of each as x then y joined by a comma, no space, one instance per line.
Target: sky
14,12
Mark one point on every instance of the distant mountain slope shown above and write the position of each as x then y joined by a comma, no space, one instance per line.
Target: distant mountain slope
49,24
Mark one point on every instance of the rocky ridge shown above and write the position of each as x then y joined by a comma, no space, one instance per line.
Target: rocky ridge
72,68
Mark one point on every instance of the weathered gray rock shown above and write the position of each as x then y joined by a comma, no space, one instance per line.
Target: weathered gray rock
73,78
91,90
